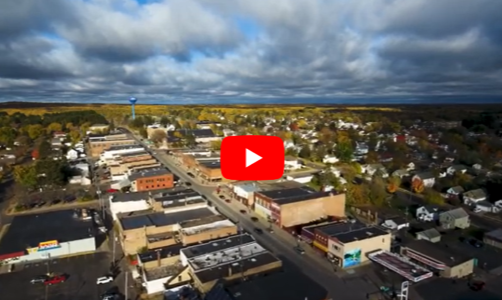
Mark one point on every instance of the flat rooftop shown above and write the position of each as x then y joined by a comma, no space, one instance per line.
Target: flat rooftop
139,148
359,234
212,260
208,227
401,265
134,154
235,267
217,245
183,202
164,252
145,173
203,221
162,219
27,231
162,272
210,164
292,195
290,285
439,252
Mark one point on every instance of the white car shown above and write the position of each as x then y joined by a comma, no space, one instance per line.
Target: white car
104,279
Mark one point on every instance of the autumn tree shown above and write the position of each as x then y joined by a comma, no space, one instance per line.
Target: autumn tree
158,136
377,192
372,157
7,135
294,126
393,184
44,149
25,175
417,185
432,196
75,136
344,151
34,131
216,145
35,154
357,194
54,127
143,132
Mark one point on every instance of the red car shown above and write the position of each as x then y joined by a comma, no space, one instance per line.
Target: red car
112,191
55,280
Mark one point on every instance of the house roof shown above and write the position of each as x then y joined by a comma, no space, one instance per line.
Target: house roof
430,233
457,213
457,189
475,194
425,175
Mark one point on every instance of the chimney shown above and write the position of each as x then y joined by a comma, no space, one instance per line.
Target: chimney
229,271
158,258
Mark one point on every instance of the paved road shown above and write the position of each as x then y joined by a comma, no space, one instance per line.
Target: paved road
279,243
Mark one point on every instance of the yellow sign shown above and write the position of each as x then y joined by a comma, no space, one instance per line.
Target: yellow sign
320,246
32,250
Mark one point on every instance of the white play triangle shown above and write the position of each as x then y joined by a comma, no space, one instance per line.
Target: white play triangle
251,157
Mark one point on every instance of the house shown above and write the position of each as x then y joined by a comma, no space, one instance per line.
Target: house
373,169
431,235
427,213
59,135
455,191
456,169
72,154
474,196
411,166
400,173
300,178
427,178
455,218
330,159
396,223
291,163
486,207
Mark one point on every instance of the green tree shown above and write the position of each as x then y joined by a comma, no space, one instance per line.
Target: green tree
305,152
25,175
164,121
344,151
433,197
75,136
35,131
53,127
143,132
7,135
52,172
44,149
377,192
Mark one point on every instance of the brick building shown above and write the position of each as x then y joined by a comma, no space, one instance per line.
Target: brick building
100,143
151,179
299,205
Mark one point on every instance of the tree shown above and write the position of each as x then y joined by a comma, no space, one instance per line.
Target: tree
54,172
305,152
377,192
143,132
7,135
53,127
417,185
372,157
357,194
164,121
25,175
75,136
158,136
433,197
44,149
216,145
294,126
34,131
393,184
344,151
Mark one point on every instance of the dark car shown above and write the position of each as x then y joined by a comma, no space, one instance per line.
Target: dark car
39,279
299,250
258,230
191,175
254,219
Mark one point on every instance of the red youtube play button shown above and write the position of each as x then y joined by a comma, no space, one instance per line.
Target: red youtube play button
252,157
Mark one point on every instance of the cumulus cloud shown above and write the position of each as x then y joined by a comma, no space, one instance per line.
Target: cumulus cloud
218,50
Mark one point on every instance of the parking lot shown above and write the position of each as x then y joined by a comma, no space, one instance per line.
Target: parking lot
81,284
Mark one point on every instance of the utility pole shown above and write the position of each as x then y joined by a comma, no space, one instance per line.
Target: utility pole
114,245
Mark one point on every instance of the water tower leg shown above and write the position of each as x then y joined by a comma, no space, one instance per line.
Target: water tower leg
133,112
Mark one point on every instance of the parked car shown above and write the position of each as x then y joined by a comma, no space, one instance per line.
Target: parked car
299,250
39,279
55,280
258,230
104,279
110,191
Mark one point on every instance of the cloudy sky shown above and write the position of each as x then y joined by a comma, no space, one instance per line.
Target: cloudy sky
211,50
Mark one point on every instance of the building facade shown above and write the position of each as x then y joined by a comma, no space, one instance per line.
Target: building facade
154,180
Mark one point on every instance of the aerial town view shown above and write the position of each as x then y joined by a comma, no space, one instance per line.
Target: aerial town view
250,150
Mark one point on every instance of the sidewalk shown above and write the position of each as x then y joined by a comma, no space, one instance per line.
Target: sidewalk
53,208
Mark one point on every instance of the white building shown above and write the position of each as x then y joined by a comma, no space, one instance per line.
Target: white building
118,150
292,163
128,202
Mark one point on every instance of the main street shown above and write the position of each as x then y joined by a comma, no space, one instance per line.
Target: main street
315,267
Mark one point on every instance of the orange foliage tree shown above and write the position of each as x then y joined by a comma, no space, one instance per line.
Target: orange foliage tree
417,186
393,184
35,154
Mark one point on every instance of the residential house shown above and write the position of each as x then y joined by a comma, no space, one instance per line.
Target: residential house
330,159
374,169
486,207
455,192
427,178
474,196
427,213
455,218
72,154
432,235
291,163
411,166
452,170
400,173
396,223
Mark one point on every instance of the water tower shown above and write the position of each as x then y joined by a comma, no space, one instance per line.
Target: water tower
133,100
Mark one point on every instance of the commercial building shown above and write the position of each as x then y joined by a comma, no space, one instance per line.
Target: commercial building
135,156
99,128
291,285
347,244
243,191
121,203
229,258
112,153
99,143
439,259
297,206
206,166
120,171
205,229
199,135
159,257
151,179
493,238
152,230
49,235
401,265
177,199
